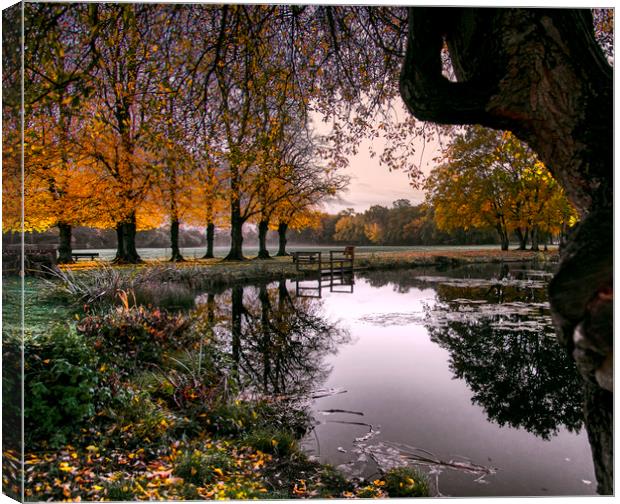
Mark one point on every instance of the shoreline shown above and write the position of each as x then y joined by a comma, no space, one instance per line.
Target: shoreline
214,273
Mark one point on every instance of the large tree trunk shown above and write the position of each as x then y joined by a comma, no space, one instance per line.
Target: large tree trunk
210,238
126,246
503,237
534,235
174,241
236,221
263,253
522,238
236,239
119,242
64,248
544,77
282,228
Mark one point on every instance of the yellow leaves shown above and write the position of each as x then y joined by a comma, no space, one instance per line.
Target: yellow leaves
65,467
300,487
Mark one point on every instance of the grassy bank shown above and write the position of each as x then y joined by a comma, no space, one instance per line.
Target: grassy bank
216,273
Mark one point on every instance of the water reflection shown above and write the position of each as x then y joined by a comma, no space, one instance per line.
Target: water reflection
518,377
313,288
499,333
490,328
277,342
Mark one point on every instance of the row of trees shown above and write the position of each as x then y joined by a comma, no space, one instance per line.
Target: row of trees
137,115
400,224
488,187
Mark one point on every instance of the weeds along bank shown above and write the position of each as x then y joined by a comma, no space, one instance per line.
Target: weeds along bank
126,401
215,273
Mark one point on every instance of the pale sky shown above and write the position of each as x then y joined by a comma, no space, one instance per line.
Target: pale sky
373,184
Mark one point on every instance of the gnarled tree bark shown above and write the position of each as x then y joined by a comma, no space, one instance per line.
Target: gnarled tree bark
540,74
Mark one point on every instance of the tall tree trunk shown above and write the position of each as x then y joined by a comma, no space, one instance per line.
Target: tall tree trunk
174,241
126,246
236,221
503,236
210,238
546,79
236,241
263,227
119,243
534,235
282,228
522,237
64,248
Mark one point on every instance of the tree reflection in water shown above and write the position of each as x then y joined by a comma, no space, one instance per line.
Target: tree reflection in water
520,378
501,341
277,342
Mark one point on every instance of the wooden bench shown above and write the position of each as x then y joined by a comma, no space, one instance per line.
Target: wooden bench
83,255
341,260
310,258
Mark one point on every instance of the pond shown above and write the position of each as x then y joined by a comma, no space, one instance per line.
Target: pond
457,373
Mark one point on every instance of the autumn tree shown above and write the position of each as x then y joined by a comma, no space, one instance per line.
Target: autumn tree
56,77
176,132
490,179
125,79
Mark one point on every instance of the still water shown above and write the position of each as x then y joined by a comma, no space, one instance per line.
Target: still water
457,373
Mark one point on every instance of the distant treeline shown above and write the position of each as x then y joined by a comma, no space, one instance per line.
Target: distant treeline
401,224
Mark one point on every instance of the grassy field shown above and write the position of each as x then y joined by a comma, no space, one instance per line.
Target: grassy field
252,250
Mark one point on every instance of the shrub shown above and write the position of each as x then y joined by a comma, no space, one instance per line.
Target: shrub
128,336
92,288
60,384
137,420
187,391
279,443
405,482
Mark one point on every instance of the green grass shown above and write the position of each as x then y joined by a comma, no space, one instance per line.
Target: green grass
41,311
